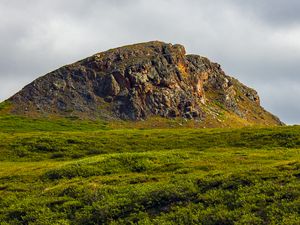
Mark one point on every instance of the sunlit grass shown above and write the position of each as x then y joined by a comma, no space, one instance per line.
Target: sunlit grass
150,176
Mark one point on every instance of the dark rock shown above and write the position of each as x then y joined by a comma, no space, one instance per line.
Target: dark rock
138,81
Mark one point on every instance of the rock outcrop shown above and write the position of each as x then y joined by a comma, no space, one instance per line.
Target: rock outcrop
140,81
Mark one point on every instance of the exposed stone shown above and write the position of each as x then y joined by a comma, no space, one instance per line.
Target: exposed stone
135,82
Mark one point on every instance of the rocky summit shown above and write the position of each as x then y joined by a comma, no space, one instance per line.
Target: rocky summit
142,81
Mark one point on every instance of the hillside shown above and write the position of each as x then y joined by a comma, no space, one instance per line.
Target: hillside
155,176
114,139
143,82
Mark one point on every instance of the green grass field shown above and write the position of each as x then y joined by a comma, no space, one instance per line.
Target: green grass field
67,171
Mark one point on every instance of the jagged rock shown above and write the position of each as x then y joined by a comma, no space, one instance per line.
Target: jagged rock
139,81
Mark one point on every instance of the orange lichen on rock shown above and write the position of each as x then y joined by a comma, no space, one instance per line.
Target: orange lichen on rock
182,69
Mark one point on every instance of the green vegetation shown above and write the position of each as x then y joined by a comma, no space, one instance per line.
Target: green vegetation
67,171
3,105
13,124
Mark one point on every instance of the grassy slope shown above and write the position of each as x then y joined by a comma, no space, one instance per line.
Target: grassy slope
67,171
216,116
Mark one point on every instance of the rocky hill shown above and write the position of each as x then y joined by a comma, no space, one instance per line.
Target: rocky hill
142,81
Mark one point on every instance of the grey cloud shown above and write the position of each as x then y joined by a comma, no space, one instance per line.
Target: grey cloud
276,12
283,98
255,41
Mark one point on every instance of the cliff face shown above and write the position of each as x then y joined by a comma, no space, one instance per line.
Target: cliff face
140,81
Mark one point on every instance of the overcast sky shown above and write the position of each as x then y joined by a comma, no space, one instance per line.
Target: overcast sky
256,41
